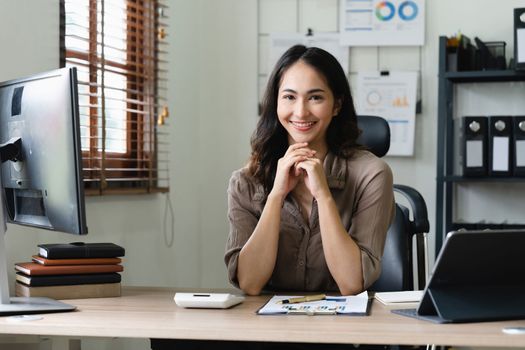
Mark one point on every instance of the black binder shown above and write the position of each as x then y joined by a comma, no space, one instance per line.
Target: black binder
474,146
519,38
518,144
500,133
478,276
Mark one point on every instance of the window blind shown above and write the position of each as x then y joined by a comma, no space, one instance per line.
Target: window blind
120,50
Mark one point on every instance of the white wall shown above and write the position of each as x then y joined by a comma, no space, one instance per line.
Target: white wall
228,106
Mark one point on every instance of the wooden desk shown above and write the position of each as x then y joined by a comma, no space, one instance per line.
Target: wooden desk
152,313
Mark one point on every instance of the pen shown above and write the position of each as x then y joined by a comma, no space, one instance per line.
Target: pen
303,299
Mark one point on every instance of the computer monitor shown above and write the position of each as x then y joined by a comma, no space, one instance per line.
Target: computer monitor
41,169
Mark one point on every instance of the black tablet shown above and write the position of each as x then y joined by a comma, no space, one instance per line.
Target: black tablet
478,276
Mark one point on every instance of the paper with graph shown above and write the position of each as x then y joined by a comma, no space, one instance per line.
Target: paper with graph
392,96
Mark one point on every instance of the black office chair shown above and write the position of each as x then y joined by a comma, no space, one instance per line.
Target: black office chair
397,272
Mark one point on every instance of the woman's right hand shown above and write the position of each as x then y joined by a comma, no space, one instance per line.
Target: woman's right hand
287,175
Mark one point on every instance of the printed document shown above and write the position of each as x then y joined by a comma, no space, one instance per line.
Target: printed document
391,96
331,305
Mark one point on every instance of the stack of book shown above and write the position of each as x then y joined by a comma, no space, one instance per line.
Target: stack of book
71,271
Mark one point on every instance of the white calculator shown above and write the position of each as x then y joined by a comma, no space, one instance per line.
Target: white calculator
207,300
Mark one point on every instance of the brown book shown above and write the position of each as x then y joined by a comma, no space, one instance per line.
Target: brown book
79,291
34,269
86,261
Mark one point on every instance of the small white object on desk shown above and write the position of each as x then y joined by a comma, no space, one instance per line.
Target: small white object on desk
207,300
24,318
399,298
513,330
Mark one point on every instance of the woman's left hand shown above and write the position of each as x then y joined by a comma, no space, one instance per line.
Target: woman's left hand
314,177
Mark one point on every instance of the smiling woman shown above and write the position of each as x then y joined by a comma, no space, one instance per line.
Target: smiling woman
311,209
119,49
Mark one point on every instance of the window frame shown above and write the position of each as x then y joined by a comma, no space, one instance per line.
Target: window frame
141,99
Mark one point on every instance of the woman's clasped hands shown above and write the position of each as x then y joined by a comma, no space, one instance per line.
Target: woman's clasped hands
299,163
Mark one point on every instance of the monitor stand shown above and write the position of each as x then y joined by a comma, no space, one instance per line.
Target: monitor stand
20,305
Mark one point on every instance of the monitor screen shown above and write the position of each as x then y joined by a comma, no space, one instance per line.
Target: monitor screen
43,186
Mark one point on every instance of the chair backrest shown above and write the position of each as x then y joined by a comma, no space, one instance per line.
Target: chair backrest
375,134
397,267
397,263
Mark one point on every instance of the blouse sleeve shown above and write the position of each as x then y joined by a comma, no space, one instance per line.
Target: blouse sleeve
243,216
372,216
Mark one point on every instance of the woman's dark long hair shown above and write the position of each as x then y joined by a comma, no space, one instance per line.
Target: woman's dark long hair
270,140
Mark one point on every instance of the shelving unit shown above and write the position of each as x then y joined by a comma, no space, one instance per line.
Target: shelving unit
446,179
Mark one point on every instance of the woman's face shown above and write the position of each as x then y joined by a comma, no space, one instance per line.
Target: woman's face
305,105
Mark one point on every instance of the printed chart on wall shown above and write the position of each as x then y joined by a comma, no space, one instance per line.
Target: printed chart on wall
382,23
392,97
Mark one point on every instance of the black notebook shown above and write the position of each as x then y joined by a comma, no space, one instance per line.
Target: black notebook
80,250
63,280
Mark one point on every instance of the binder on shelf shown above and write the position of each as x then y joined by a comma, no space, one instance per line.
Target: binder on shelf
519,38
518,144
474,146
500,134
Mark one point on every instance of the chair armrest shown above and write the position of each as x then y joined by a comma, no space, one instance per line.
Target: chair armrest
418,208
419,227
